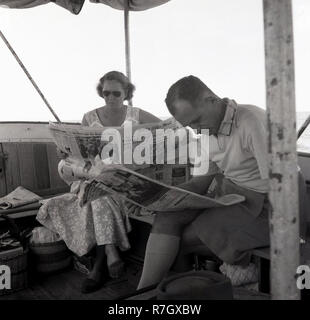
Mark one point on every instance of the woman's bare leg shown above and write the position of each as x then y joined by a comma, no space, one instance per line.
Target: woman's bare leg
112,254
99,266
107,256
114,262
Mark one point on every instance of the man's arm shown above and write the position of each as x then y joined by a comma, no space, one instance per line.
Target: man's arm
257,142
199,184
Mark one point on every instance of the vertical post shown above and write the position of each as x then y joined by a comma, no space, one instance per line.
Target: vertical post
281,120
127,42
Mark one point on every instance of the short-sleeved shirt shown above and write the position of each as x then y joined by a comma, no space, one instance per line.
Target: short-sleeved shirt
240,147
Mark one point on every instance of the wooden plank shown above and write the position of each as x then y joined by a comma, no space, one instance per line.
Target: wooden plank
2,173
53,160
26,165
12,172
281,122
41,166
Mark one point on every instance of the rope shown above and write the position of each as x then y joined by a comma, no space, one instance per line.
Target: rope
29,76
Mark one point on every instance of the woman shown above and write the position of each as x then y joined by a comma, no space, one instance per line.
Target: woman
104,222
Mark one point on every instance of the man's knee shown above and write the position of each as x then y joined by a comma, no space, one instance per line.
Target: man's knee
166,223
172,223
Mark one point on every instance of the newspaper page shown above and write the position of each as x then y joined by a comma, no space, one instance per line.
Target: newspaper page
85,146
150,194
85,143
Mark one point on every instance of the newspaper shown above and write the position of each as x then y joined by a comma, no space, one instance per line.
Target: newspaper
148,193
150,186
85,143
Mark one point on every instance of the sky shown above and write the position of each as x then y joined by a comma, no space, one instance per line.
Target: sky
220,41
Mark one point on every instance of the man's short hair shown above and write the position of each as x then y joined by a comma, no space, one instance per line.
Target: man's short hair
188,88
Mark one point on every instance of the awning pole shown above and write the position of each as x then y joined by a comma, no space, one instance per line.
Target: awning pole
29,76
281,120
127,42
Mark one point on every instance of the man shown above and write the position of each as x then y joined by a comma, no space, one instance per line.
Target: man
237,145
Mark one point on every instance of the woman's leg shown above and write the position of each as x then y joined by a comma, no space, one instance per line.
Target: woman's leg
95,278
112,254
115,264
106,256
111,226
163,245
99,265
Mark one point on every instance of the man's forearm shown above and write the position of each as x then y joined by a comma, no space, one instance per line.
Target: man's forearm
198,185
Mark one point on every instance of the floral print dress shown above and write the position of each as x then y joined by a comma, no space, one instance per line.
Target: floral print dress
100,222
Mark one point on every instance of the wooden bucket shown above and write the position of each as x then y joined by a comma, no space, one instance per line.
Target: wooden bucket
50,257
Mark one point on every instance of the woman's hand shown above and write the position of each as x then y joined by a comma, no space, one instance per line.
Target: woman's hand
61,154
133,209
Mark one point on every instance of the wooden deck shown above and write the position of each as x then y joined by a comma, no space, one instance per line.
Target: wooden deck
67,286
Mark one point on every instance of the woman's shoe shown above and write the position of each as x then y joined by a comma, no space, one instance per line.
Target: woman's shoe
116,269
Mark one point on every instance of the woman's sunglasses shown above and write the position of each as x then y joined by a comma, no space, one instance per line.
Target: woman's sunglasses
116,94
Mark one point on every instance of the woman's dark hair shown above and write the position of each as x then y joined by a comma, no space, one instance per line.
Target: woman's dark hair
128,87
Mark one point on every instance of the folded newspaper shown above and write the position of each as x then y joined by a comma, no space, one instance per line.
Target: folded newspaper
149,193
19,197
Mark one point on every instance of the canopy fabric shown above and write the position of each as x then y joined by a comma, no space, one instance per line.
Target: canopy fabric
75,6
134,5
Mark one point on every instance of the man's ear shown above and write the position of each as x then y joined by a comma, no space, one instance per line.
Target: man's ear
203,101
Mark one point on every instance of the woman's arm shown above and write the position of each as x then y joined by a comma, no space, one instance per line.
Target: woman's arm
84,121
146,117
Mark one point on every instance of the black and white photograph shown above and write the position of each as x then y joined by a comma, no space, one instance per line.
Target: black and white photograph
155,154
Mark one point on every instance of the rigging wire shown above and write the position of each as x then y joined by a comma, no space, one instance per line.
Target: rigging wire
29,76
303,127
